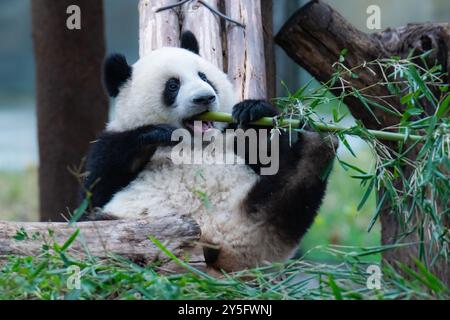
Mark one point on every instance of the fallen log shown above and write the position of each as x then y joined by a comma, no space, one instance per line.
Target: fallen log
102,239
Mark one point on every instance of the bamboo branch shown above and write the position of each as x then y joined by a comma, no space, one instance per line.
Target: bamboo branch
293,123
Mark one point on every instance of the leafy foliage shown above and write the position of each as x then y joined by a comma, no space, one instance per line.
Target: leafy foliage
413,179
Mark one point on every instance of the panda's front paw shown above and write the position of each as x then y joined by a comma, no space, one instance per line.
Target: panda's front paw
251,110
159,135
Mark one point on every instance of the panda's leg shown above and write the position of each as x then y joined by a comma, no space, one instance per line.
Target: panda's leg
290,198
116,158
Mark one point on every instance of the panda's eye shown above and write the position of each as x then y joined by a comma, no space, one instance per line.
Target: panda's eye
203,76
171,91
173,84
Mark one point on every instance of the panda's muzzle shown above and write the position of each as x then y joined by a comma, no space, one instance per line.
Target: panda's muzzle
200,104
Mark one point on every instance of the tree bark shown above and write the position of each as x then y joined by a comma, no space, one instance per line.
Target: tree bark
102,239
157,30
245,50
314,38
207,28
71,105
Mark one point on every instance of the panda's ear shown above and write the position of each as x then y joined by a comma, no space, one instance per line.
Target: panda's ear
116,72
189,42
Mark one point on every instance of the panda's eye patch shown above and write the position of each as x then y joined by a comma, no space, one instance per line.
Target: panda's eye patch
205,78
171,91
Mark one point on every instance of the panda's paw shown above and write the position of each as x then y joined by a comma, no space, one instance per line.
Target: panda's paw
251,110
159,135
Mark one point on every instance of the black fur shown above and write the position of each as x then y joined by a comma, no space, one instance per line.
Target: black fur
189,42
248,111
251,110
116,72
205,78
116,159
171,90
291,198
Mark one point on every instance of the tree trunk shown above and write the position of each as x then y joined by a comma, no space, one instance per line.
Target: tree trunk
102,239
71,105
314,38
157,30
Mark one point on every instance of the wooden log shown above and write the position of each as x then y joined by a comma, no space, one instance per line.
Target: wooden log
157,30
126,238
315,36
206,27
245,49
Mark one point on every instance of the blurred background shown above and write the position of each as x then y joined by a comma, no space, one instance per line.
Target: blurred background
339,222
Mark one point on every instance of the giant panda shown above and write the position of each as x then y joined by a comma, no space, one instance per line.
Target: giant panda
251,219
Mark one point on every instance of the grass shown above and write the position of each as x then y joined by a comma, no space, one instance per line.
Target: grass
50,275
19,195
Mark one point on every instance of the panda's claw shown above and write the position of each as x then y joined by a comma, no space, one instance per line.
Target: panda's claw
251,110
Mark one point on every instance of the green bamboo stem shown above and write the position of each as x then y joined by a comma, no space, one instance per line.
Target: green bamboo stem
268,122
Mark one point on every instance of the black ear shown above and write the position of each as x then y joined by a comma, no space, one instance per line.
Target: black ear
189,42
116,72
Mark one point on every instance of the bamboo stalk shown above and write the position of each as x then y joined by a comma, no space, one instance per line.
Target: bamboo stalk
269,122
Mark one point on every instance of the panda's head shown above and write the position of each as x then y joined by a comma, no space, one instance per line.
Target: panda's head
168,86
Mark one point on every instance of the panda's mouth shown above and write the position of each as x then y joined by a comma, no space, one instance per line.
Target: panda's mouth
198,126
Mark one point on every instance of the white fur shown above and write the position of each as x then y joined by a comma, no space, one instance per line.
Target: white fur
210,194
164,187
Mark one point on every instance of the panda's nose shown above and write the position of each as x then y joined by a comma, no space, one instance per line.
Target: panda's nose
204,100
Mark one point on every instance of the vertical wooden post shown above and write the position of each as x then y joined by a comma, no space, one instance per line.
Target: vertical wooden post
157,30
206,27
245,53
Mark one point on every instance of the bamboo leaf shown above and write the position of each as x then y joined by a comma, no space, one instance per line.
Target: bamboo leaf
366,194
